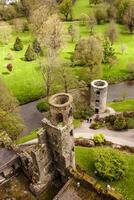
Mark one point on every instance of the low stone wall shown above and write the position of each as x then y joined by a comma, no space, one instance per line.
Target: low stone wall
90,182
90,143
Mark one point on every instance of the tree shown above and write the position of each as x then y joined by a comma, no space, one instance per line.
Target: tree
101,14
95,1
83,19
89,52
18,45
10,120
30,54
66,77
66,8
5,33
129,17
112,32
36,46
91,23
73,32
108,51
47,70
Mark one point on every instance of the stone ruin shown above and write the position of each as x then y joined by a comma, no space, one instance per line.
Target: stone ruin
98,101
54,154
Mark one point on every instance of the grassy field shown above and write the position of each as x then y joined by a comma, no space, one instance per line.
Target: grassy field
26,82
85,158
123,106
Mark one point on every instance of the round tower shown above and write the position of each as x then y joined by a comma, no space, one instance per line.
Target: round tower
98,101
61,109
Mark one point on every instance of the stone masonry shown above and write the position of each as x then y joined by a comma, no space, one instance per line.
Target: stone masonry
54,154
98,99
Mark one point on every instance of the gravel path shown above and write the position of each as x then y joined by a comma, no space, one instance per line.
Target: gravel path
119,137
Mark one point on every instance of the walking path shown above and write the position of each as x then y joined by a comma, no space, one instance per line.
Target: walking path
125,137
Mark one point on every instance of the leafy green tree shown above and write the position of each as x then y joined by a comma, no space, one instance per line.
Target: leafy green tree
66,8
108,50
18,45
89,52
10,120
66,76
30,54
101,14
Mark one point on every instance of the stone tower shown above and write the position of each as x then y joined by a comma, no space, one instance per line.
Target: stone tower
98,99
59,131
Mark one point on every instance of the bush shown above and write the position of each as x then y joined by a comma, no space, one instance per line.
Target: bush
30,55
18,45
110,165
36,46
110,119
10,56
43,106
120,123
83,114
99,138
96,125
9,67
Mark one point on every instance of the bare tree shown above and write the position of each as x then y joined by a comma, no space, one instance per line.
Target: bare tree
73,32
91,23
112,32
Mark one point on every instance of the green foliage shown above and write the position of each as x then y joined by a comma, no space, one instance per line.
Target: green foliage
10,120
130,123
108,51
101,14
36,46
43,106
18,45
96,125
99,138
30,54
110,165
27,137
83,113
66,8
120,123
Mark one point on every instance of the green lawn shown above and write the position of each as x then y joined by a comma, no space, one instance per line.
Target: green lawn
26,82
123,106
85,158
27,137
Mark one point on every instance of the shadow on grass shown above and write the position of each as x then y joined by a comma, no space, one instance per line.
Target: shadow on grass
5,73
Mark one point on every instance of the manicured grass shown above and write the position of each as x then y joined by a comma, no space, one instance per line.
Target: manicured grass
27,137
77,123
85,158
25,81
123,106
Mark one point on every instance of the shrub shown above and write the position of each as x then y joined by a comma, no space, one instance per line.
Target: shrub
9,67
110,165
110,119
10,56
30,55
83,114
96,125
18,45
43,106
120,123
99,138
36,46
